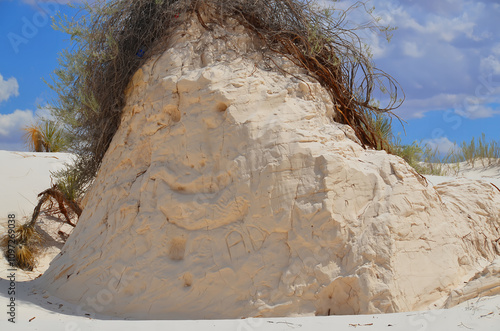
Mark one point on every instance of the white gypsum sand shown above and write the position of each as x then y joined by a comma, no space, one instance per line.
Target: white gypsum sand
484,170
38,310
21,184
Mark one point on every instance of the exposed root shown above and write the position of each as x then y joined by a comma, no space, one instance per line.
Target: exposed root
24,246
61,200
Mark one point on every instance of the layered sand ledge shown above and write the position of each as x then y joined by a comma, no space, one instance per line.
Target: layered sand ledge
228,192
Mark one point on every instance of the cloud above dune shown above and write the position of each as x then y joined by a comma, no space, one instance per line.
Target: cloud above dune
443,145
445,54
11,126
8,88
10,123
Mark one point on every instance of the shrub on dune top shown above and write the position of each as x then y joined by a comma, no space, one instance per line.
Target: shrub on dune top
487,152
113,38
427,160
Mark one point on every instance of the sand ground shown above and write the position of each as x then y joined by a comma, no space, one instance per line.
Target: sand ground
24,175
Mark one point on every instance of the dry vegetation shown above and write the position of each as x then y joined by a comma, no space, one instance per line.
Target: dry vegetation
58,200
28,245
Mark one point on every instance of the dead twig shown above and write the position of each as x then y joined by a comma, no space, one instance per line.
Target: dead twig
61,200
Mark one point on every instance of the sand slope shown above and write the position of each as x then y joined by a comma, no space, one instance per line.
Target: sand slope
51,313
21,183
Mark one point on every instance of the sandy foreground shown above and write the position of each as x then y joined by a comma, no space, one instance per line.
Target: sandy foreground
24,175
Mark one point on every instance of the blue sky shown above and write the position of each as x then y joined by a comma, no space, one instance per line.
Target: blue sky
30,49
445,54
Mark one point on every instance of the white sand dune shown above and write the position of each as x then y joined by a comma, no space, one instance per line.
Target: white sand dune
486,172
228,191
23,176
26,174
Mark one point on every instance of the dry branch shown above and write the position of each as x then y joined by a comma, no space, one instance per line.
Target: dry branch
61,200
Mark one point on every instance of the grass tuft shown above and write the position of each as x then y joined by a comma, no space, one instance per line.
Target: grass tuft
28,246
427,160
486,152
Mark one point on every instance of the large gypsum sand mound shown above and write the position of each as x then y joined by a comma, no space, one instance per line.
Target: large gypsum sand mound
229,192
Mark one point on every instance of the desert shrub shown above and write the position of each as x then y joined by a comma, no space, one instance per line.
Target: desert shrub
68,183
411,153
28,241
45,136
423,158
112,39
381,124
28,246
427,160
487,152
478,149
431,161
33,138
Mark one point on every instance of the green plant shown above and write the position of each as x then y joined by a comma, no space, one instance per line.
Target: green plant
33,138
469,152
45,136
67,191
68,185
108,36
485,151
412,153
422,157
431,162
427,159
381,124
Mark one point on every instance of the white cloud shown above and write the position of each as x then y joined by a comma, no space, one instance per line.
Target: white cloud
416,108
445,54
377,45
475,111
8,88
411,49
436,26
496,49
490,64
443,145
462,104
11,127
11,124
